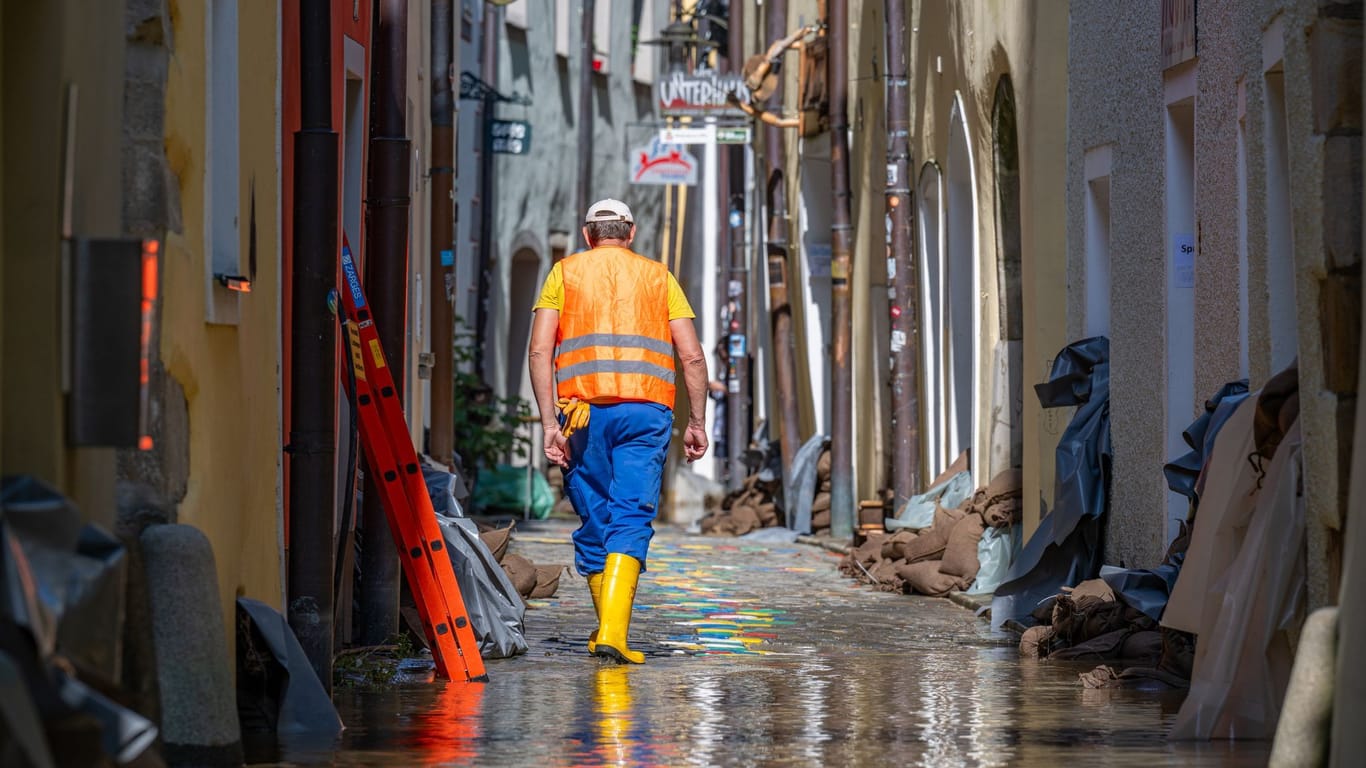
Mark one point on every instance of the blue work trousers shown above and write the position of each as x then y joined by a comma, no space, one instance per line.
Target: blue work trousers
616,465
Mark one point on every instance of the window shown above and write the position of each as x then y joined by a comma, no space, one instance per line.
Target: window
1097,167
930,221
568,17
1242,231
1182,262
223,278
645,58
514,15
1280,243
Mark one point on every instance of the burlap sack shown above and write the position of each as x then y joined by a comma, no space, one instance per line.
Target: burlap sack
547,580
1034,641
960,555
821,502
885,571
891,545
925,578
497,541
768,514
930,544
743,520
521,571
820,520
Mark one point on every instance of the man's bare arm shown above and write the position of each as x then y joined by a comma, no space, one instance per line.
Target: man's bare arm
543,331
695,379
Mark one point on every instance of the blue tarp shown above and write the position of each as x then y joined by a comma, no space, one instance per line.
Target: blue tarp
1067,547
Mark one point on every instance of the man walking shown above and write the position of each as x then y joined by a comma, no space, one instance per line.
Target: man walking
617,318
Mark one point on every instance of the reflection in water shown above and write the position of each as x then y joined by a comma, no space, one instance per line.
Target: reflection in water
842,677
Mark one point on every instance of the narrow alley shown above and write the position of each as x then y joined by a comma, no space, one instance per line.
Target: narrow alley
761,654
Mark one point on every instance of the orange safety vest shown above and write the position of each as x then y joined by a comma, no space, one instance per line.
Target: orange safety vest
614,340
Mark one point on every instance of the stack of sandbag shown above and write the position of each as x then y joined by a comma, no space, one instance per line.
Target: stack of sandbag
752,507
820,506
1088,622
943,557
531,580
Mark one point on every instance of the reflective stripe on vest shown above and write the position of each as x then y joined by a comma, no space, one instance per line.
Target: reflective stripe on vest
615,340
618,366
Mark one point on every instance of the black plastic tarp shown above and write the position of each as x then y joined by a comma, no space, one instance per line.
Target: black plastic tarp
1068,547
277,688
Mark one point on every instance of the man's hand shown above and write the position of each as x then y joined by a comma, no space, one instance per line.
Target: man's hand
556,447
694,441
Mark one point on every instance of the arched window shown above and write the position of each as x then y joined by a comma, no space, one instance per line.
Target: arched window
960,285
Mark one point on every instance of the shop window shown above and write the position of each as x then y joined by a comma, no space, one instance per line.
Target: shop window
1242,232
961,286
1280,242
930,229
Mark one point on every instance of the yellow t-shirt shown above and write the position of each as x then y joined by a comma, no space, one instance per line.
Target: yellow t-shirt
552,295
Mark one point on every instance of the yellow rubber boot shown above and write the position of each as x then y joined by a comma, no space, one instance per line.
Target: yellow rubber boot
614,618
595,589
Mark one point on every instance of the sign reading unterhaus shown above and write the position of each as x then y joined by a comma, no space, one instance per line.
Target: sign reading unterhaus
700,93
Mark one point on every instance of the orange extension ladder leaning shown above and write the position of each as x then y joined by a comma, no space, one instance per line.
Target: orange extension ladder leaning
390,455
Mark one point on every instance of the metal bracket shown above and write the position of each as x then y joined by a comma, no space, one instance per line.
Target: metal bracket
474,89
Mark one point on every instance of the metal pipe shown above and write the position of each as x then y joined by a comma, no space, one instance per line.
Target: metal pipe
841,270
737,383
313,347
904,299
780,310
583,190
441,442
386,280
488,72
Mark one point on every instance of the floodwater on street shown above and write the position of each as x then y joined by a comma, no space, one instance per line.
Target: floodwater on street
763,655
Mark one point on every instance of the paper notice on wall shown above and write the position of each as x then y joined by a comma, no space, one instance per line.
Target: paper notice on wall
1183,260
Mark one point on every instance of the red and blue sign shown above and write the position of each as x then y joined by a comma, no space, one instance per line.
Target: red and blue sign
658,163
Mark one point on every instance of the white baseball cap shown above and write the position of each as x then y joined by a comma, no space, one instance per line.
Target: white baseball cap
608,210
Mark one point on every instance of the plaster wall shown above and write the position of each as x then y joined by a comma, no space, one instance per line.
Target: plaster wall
958,54
230,374
1117,98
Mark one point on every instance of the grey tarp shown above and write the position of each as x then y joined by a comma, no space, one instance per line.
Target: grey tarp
288,695
495,608
1067,547
804,483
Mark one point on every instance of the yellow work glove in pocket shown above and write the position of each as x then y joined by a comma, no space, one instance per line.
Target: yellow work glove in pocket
575,414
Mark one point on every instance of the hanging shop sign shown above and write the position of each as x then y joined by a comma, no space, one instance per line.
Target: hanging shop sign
733,135
511,137
660,163
700,134
700,93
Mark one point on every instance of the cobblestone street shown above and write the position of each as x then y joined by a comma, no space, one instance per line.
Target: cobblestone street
764,655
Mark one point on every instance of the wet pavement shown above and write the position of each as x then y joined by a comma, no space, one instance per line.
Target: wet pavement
763,655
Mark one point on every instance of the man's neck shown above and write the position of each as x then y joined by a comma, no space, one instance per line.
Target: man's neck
610,243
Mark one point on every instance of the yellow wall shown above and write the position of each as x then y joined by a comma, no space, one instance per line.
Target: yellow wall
229,373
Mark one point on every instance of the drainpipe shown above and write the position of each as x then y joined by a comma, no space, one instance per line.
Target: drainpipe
780,311
841,232
386,280
582,193
905,298
313,347
441,442
488,72
737,397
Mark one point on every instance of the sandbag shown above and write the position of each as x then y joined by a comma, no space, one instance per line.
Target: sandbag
925,578
960,555
497,541
522,572
820,520
547,581
891,545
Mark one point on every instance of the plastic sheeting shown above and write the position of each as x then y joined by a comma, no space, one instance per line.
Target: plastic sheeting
804,483
505,488
1243,655
918,512
995,551
1184,471
1066,549
62,584
495,608
293,702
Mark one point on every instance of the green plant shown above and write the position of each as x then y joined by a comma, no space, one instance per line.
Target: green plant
487,428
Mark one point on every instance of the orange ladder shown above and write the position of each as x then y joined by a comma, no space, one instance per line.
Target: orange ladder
407,504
